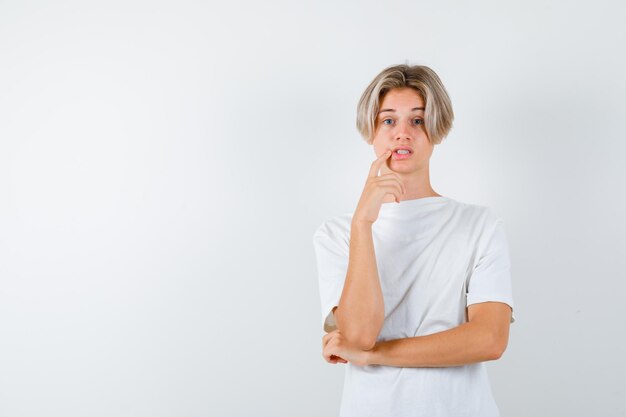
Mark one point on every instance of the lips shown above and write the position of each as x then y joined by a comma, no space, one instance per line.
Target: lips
400,157
408,148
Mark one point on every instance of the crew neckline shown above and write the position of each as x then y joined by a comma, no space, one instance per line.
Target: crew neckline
414,202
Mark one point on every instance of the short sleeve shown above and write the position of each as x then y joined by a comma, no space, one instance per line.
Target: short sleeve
332,254
491,277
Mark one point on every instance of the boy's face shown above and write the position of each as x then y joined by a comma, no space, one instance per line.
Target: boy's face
404,126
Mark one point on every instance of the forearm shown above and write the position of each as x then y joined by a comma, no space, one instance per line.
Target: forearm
361,310
467,343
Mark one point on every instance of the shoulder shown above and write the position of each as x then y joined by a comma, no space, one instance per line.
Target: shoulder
477,211
337,227
477,219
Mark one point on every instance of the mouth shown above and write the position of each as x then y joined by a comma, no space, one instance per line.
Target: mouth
401,153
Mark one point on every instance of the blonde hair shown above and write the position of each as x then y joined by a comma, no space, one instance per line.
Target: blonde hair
438,114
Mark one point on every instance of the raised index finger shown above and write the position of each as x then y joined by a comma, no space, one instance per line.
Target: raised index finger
378,163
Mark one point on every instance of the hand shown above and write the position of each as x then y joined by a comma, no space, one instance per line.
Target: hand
336,348
376,188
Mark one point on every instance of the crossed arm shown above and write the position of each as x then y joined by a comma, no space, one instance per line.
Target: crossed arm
483,337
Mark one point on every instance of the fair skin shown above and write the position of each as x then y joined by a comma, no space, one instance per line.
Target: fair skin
399,125
485,335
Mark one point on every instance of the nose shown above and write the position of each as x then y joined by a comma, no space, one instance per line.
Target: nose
402,132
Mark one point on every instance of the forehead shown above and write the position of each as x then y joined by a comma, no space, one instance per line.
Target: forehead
401,98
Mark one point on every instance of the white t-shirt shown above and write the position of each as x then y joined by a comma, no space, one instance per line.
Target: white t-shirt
435,256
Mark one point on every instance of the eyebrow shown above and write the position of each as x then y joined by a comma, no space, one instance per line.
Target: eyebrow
393,110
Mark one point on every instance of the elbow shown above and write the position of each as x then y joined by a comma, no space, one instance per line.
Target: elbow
496,347
361,337
496,354
362,342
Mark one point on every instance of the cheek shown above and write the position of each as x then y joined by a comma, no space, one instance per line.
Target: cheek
378,149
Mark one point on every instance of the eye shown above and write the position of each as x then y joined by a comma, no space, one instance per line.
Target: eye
386,121
418,121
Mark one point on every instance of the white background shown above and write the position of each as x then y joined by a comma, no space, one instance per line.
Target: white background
163,166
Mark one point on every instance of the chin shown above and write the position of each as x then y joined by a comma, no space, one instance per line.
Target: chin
404,169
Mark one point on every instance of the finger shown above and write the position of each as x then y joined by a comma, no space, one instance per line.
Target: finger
328,337
331,357
396,195
337,359
392,183
327,354
396,176
389,185
378,163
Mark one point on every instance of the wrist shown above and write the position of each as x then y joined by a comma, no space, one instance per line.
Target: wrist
361,224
